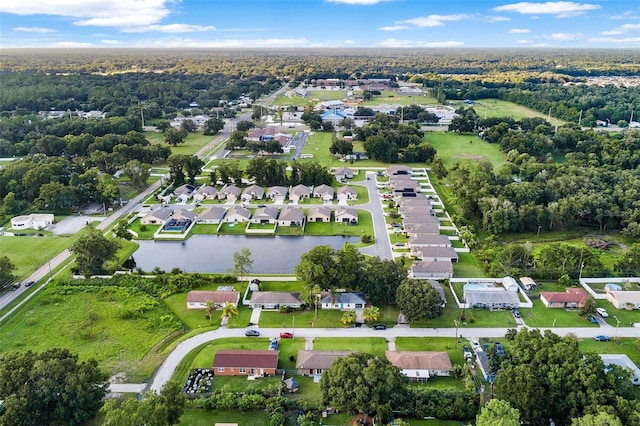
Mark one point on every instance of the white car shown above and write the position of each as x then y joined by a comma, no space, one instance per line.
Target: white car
603,313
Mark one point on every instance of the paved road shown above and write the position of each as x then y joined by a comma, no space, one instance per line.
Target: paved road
166,370
382,245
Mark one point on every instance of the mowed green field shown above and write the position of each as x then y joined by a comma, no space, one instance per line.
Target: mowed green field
455,147
389,97
192,143
498,108
29,253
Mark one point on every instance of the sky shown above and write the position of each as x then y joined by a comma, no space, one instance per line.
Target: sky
319,23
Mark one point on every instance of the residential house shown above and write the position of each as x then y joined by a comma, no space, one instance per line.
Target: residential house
157,217
413,220
623,361
275,300
212,216
231,193
252,192
416,211
277,193
510,284
346,193
245,363
346,215
528,283
436,269
325,192
573,298
624,299
197,299
265,215
299,193
291,216
422,228
420,200
429,240
419,366
343,301
319,214
430,253
399,170
205,192
342,173
184,192
405,187
491,299
184,214
236,214
314,363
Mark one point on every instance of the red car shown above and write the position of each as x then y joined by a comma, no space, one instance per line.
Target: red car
286,335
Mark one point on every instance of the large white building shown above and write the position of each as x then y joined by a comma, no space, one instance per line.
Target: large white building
32,221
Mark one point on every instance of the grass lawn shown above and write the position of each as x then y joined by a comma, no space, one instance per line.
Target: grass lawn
200,417
318,144
29,253
295,231
498,108
105,324
624,345
233,228
192,143
454,147
283,100
280,286
467,267
204,229
371,345
308,318
541,316
309,392
364,226
391,97
149,230
241,384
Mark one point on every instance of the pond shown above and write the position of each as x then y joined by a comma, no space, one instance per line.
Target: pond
214,254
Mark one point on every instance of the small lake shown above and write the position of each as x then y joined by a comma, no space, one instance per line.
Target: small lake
214,253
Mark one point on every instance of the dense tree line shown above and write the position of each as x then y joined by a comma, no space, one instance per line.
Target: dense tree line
270,172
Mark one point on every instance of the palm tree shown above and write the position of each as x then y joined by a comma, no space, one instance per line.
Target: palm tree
371,314
210,307
229,310
314,295
348,317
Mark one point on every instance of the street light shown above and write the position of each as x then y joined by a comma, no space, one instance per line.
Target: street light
617,324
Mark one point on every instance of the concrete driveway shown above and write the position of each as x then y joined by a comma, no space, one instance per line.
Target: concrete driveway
72,224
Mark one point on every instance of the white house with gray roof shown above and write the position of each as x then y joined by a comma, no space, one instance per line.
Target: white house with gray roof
237,213
291,216
212,216
343,301
299,192
346,193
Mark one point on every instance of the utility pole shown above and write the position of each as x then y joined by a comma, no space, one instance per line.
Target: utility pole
617,324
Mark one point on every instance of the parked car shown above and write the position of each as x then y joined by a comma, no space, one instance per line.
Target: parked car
380,327
29,283
476,345
286,335
252,332
516,313
593,319
499,349
603,312
602,338
273,345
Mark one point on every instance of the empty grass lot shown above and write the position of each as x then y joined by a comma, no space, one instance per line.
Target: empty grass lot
454,147
498,108
432,344
389,97
192,143
200,417
308,318
29,253
371,345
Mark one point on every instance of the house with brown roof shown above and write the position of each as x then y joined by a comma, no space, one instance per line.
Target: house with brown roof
436,269
245,363
252,192
205,192
399,170
197,299
237,213
343,173
346,215
572,298
275,300
435,253
346,193
319,214
231,193
419,366
325,192
299,193
212,216
422,228
265,215
314,363
277,192
291,216
157,217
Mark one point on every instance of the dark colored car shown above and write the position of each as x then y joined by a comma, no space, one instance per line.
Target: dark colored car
286,335
380,327
499,349
593,319
602,338
252,333
15,286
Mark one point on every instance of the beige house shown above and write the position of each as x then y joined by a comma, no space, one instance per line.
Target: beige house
231,193
237,213
205,192
252,192
212,216
319,214
277,192
157,217
265,215
624,299
346,193
346,215
435,269
419,366
299,193
291,216
325,192
197,299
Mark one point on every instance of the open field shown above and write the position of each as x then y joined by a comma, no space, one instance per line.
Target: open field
389,97
498,108
192,143
455,147
200,417
371,345
29,253
118,327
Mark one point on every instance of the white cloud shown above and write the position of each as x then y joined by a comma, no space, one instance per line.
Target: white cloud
349,42
392,42
112,13
519,31
111,42
170,28
395,28
35,30
359,2
434,20
492,19
625,15
562,9
566,37
632,41
522,42
74,44
622,29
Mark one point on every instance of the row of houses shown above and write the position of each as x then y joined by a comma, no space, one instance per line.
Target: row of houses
418,366
285,216
232,193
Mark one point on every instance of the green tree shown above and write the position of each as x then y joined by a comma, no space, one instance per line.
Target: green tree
49,388
565,280
418,300
6,271
600,419
629,264
242,262
92,251
362,382
11,206
379,279
498,413
244,125
174,137
55,196
371,314
122,230
348,317
210,307
212,126
189,126
317,267
228,311
590,307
